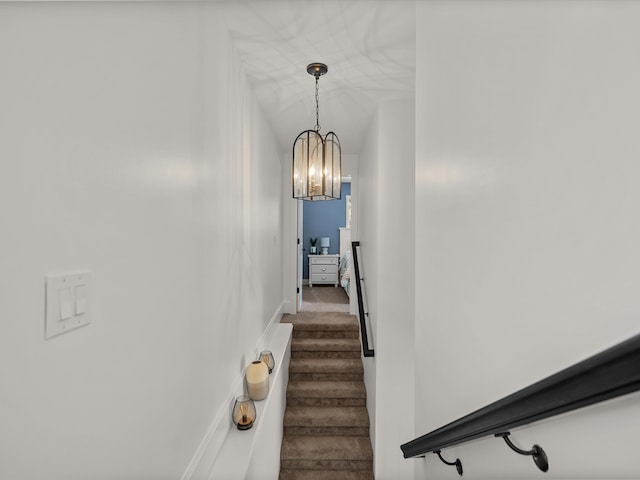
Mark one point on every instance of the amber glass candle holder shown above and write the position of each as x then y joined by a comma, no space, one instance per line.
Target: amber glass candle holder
244,412
267,357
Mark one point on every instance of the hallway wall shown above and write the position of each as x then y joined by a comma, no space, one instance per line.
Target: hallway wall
386,213
132,148
526,213
367,233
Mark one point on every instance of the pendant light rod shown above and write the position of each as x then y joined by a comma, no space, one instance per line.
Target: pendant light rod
317,70
317,127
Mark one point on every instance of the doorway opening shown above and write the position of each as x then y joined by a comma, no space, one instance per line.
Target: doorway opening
326,224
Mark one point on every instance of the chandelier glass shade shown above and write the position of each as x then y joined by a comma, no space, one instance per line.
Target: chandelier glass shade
316,166
317,160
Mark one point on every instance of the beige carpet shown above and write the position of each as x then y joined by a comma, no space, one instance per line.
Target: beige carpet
324,298
326,423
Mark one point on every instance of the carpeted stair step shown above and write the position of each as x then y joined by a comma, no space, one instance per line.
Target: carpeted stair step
325,348
326,424
326,393
326,421
326,333
338,369
326,453
326,475
330,325
326,320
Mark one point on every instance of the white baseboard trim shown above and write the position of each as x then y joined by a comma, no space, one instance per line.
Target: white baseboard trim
289,307
207,454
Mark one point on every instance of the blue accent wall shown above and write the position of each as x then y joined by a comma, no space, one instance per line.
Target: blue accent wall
323,219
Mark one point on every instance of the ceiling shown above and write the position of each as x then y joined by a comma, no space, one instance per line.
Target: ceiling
368,45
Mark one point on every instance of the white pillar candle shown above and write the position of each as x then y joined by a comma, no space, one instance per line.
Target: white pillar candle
258,380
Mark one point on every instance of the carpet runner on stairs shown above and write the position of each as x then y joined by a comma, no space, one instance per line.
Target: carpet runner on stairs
326,423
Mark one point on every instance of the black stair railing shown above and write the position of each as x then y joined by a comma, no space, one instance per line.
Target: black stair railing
366,350
609,374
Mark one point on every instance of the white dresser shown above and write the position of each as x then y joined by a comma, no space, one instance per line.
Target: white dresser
323,269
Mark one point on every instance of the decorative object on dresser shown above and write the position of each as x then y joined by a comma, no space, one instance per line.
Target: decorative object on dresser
325,243
312,242
323,269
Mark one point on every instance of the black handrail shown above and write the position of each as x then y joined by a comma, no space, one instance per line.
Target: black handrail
609,374
366,351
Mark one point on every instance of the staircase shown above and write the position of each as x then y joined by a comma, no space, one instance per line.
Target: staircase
326,423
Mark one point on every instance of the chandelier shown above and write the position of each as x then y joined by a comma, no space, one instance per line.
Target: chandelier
317,159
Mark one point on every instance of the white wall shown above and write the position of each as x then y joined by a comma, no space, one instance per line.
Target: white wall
386,202
395,360
121,124
526,207
367,234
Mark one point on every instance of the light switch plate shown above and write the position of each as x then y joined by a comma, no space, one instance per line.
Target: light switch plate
67,295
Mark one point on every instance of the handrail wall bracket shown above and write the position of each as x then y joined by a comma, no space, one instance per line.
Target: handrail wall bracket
457,463
538,454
